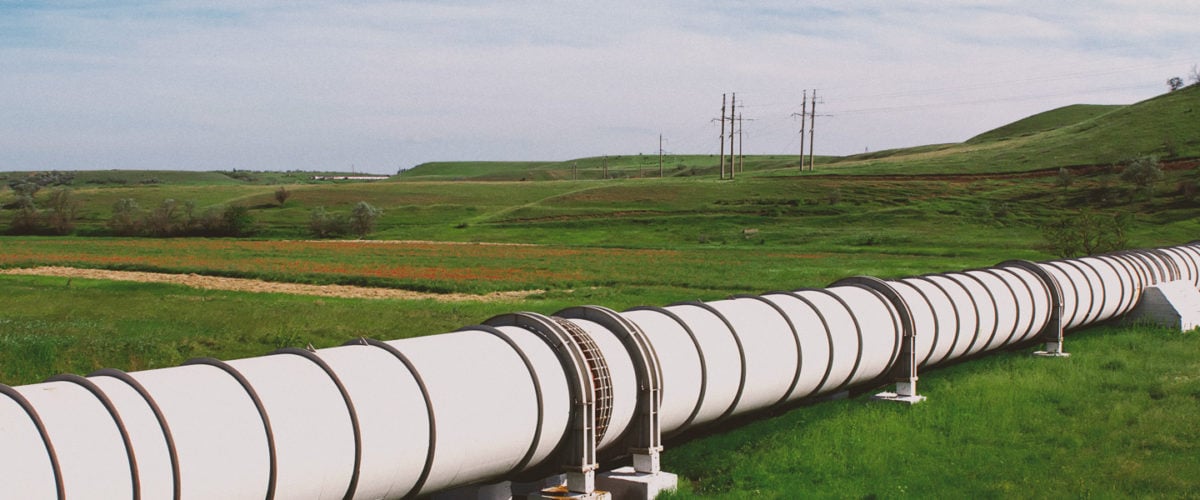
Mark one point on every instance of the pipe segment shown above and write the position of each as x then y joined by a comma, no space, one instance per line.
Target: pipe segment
526,394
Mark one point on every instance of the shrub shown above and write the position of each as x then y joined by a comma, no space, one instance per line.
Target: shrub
126,218
1085,233
323,224
282,194
63,210
26,220
1143,172
363,217
163,220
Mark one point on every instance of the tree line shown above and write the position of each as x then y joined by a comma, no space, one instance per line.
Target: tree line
59,213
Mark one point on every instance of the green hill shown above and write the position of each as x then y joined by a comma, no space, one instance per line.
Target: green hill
1041,122
1165,126
1081,134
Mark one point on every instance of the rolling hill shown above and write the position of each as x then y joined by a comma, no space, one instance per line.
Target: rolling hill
1082,134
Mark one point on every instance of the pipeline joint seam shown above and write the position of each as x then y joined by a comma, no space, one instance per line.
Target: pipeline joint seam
351,411
430,414
262,412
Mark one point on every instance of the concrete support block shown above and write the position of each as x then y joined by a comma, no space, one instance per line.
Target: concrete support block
626,483
1172,304
1053,350
906,392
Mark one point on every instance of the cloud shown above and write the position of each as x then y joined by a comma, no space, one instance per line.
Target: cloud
384,84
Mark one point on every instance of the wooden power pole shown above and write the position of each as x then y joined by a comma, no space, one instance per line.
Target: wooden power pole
732,113
660,153
803,115
606,167
722,136
812,127
742,157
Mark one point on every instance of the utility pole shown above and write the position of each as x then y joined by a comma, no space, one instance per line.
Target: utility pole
742,157
812,127
803,112
605,167
660,153
732,113
575,171
722,136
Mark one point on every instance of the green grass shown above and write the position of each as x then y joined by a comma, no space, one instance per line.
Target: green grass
1115,420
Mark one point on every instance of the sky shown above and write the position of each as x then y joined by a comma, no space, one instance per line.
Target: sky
380,86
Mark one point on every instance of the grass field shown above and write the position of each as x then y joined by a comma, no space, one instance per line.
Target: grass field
1114,420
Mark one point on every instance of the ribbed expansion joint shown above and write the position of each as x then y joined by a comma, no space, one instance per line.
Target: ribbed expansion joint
598,368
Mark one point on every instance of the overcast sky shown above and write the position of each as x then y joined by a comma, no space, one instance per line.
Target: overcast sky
382,85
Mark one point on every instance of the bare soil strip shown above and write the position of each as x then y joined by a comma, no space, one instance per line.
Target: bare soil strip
260,286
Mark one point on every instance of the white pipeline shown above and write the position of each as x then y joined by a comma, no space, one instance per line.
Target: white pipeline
526,394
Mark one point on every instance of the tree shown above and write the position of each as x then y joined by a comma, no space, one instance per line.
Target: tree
164,220
63,209
282,194
1175,83
1085,233
26,220
1194,76
323,224
363,217
126,217
1143,172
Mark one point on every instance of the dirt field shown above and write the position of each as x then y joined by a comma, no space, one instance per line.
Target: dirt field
259,286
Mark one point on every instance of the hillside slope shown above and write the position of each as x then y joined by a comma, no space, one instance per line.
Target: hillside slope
1045,121
1165,126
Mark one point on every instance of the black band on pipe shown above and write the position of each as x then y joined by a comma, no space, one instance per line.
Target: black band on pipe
795,338
1017,327
537,392
645,426
1136,272
41,428
974,305
1120,299
957,322
1128,281
262,412
1177,257
995,310
1057,264
932,312
737,398
1054,297
699,354
1016,304
172,453
1096,287
902,320
1120,282
1140,266
857,329
1168,263
350,410
1033,296
828,338
1153,266
432,451
1190,254
1091,287
100,396
582,364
